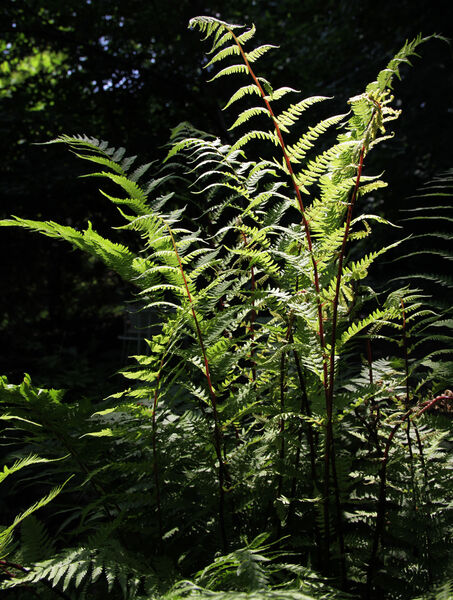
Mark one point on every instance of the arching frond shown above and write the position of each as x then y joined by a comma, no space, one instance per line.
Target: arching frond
299,150
231,70
241,93
248,114
291,115
257,53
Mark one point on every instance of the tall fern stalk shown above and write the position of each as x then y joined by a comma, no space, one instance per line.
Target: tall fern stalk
297,193
327,388
328,365
217,433
330,451
155,456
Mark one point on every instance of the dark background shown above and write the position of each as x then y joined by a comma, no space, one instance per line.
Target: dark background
128,71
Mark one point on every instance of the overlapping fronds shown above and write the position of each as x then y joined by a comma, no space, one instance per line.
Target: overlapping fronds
281,398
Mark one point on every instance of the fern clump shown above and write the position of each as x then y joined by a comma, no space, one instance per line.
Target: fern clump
271,442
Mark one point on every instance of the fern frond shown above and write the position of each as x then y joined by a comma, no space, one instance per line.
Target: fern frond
32,459
115,256
137,199
392,70
231,70
6,533
382,316
97,151
223,53
254,134
257,53
241,93
36,542
81,568
243,38
247,114
299,150
291,115
211,26
280,92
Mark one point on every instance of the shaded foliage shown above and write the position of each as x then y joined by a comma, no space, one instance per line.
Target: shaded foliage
128,72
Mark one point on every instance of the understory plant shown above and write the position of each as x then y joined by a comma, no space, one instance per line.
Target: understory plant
286,433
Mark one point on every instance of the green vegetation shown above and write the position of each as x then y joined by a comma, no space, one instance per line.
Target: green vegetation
129,73
286,433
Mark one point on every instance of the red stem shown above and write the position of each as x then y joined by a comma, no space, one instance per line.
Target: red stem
299,200
217,433
408,429
382,491
315,267
338,283
329,396
156,466
253,312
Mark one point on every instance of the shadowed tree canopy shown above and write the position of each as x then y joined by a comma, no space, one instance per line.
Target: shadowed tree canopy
128,71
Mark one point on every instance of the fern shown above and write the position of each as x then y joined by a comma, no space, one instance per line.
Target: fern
252,415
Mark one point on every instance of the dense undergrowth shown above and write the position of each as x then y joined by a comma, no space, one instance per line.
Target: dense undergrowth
286,435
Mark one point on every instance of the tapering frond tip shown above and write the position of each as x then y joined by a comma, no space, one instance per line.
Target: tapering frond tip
386,76
70,139
209,25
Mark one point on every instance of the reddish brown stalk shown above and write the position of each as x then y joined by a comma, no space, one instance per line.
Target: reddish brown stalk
314,262
156,464
339,276
338,282
298,196
407,402
328,458
380,516
252,313
217,433
281,455
430,403
329,395
5,565
369,355
312,442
